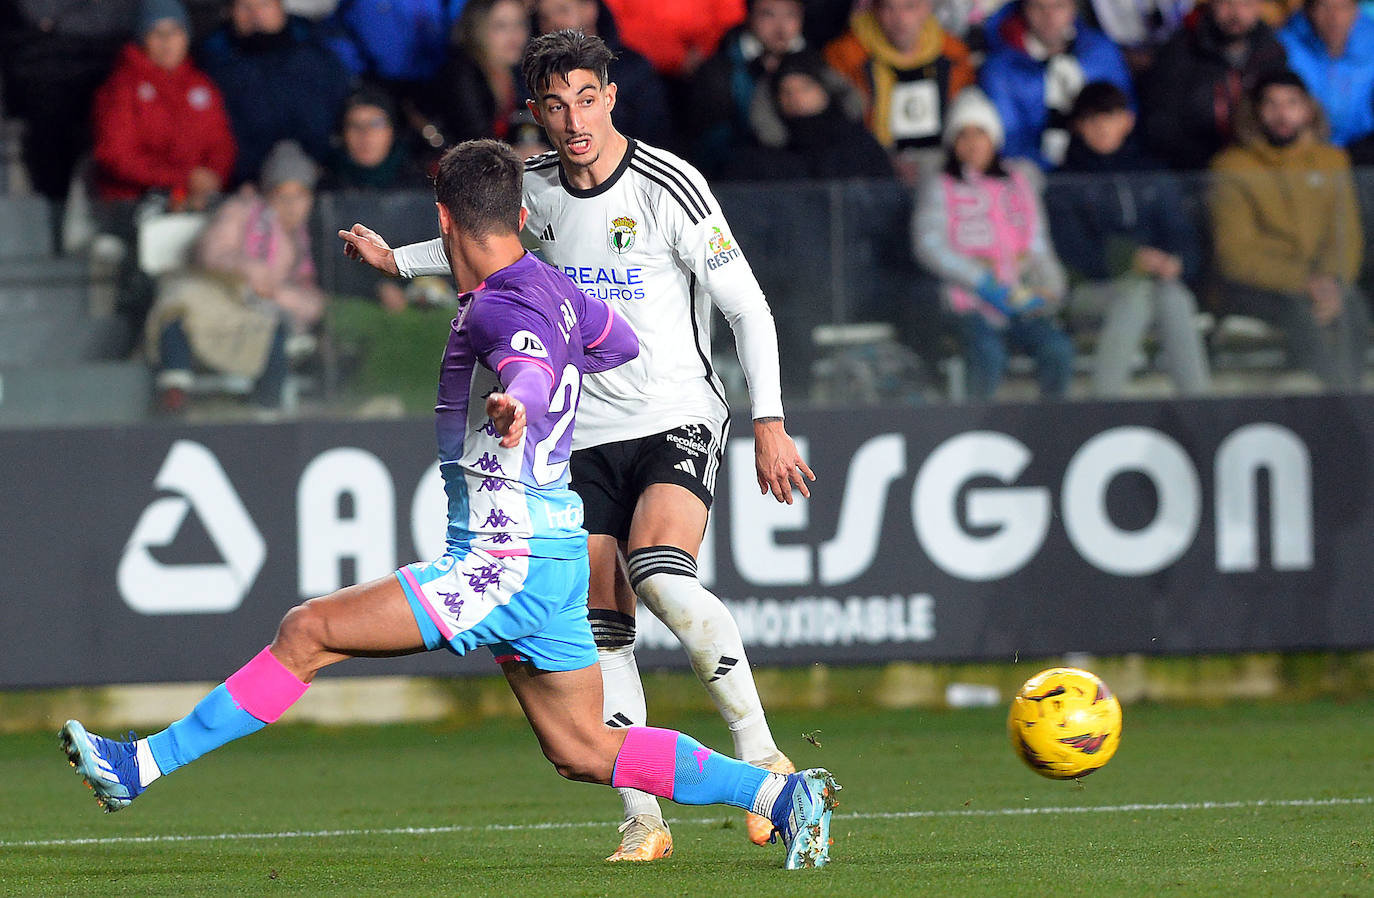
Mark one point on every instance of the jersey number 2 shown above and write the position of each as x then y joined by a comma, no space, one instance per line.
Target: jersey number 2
563,404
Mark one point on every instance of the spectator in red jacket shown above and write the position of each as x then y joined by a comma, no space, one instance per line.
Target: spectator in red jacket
159,122
677,36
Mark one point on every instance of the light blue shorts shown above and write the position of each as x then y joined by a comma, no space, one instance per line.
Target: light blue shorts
522,608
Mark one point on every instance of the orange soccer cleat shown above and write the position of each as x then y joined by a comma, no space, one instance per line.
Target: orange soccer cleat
644,837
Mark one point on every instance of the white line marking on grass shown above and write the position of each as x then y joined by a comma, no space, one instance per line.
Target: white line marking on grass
705,821
1117,808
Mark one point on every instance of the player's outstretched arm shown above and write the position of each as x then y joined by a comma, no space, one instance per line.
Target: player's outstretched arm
608,339
366,245
778,464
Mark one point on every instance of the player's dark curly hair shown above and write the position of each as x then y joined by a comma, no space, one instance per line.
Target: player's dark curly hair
480,183
560,53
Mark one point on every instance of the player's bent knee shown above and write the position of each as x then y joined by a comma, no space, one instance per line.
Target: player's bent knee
584,766
302,630
588,758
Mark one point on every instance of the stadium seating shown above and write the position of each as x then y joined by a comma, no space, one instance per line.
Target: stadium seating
58,361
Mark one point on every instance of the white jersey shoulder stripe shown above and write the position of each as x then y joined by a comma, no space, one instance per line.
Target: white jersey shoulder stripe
645,164
542,161
678,173
693,212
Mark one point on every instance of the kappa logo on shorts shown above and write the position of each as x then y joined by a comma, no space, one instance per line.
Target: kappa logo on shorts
150,586
453,601
484,577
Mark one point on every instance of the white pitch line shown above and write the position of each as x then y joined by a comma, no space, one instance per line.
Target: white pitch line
705,821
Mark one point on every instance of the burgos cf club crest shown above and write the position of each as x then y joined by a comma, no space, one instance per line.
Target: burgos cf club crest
622,234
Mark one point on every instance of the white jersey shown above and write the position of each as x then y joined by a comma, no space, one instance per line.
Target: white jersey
651,241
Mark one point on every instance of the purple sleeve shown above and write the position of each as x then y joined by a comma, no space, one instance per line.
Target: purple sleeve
530,385
506,333
607,339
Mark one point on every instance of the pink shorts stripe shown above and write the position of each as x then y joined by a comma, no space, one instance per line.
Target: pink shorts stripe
507,553
548,369
264,687
444,629
610,319
646,761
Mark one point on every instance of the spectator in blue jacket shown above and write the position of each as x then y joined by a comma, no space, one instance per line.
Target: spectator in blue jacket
1122,230
1331,47
1139,27
279,81
1040,54
398,43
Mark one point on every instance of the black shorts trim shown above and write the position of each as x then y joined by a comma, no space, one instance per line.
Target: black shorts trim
611,477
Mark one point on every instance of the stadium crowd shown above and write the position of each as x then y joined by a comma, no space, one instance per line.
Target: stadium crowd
170,105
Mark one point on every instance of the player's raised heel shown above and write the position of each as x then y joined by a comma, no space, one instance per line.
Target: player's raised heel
110,768
644,837
802,817
756,826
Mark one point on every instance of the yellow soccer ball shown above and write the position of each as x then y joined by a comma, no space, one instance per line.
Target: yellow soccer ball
1065,723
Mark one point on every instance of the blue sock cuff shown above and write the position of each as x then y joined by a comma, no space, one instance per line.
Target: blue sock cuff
215,720
751,779
703,776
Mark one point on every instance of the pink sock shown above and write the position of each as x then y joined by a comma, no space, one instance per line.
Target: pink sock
673,765
646,761
264,687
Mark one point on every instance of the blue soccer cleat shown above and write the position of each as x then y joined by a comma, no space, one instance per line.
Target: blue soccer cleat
802,817
110,768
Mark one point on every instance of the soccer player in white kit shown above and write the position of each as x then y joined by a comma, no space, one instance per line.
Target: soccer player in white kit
638,227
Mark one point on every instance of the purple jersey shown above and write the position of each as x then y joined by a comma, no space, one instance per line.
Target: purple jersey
516,501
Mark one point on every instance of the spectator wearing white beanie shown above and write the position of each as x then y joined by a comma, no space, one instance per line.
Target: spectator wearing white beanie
972,108
979,227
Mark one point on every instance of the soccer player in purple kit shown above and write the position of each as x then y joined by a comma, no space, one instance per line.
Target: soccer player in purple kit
639,228
514,576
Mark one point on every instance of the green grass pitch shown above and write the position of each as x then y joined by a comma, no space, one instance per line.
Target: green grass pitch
1245,799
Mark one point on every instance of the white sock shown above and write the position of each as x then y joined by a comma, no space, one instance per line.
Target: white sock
767,795
623,702
665,579
147,764
753,738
